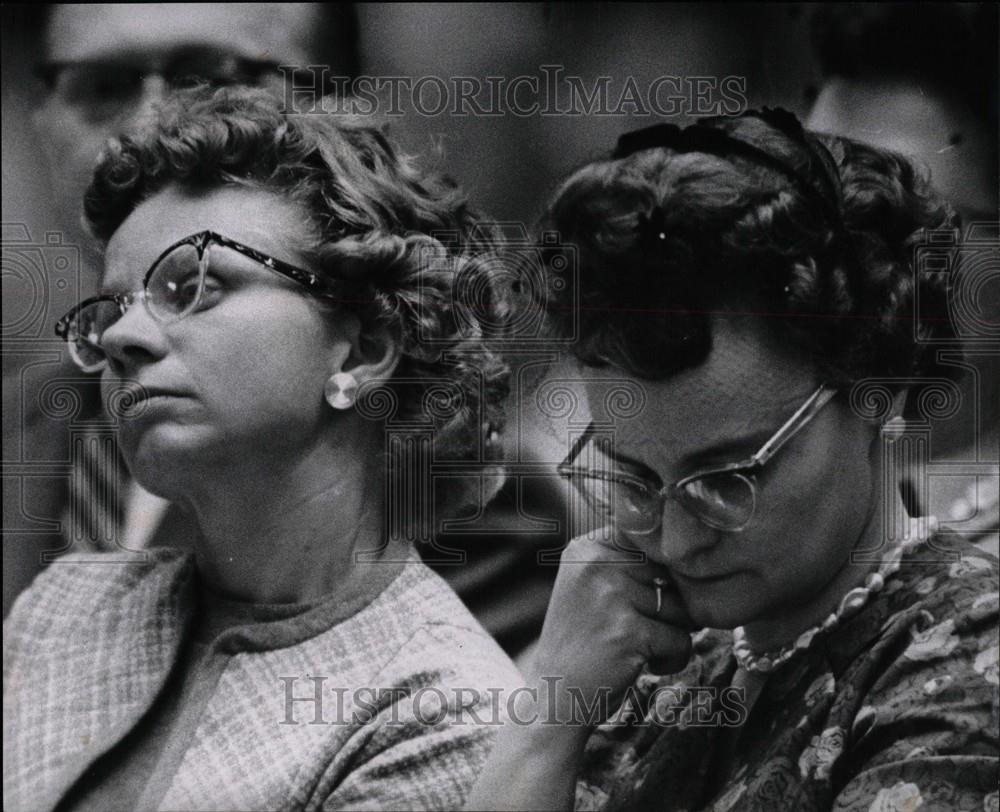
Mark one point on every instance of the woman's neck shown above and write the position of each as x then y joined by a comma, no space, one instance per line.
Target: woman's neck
293,533
771,634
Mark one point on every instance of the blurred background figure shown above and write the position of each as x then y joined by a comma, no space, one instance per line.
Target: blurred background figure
921,79
105,67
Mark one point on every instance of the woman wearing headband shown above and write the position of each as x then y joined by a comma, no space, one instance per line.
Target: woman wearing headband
281,342
755,288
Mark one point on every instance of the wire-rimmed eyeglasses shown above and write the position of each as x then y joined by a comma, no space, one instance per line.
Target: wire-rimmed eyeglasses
723,497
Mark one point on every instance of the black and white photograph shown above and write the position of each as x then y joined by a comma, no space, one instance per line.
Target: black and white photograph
501,406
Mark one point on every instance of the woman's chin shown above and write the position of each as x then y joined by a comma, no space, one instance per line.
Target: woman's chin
709,617
708,612
723,603
160,456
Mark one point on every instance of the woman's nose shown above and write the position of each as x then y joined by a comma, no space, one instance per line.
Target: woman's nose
681,535
134,339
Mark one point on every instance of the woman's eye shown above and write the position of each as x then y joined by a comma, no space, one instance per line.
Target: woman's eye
640,480
601,498
184,290
212,290
615,466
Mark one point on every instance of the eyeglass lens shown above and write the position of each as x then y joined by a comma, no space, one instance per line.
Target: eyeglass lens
175,286
632,508
105,88
86,333
174,289
724,501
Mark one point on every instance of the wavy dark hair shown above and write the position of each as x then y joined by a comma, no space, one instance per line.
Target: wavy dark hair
398,246
815,233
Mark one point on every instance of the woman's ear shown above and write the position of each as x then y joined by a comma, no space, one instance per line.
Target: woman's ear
898,406
358,355
375,354
894,421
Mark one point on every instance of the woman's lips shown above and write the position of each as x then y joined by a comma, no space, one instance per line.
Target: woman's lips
704,579
159,397
138,400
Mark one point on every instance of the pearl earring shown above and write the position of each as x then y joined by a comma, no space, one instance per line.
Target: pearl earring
340,390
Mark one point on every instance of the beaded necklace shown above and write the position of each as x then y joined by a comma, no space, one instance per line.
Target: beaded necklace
920,530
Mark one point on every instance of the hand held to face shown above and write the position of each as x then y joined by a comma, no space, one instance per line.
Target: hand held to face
607,618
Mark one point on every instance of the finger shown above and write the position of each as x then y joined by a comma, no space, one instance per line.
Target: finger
620,546
666,608
597,548
643,571
667,648
647,588
648,573
654,594
632,582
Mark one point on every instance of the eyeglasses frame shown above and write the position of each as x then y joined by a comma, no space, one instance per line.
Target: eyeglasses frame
249,67
744,468
317,285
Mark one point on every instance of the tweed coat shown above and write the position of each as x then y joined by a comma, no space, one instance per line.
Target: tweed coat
393,706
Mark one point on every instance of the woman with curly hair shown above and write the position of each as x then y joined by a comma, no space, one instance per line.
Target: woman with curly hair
754,286
279,335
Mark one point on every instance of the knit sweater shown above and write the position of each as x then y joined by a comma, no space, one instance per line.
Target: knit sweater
384,705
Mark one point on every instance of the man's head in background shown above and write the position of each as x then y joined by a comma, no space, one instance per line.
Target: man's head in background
106,65
920,79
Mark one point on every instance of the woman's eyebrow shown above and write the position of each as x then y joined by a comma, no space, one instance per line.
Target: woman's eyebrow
605,447
731,449
743,446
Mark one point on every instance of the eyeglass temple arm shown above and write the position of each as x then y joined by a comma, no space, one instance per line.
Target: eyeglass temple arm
309,279
805,413
577,446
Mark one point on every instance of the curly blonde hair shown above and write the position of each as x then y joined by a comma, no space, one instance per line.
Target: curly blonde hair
402,249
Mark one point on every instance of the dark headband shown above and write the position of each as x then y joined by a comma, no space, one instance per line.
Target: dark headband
699,137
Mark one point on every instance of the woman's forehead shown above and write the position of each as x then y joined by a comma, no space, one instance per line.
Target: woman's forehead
748,383
257,218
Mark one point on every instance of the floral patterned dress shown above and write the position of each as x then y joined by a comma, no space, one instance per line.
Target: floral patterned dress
894,709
